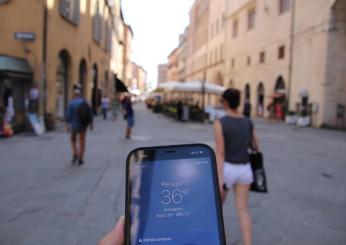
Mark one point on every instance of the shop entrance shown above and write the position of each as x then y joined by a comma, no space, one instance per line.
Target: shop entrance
83,74
94,92
260,100
62,84
279,99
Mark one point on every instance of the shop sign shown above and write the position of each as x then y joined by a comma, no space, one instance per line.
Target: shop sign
25,36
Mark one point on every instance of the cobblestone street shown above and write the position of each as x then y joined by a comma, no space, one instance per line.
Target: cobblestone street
45,200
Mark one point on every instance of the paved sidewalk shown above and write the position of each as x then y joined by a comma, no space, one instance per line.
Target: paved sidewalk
45,200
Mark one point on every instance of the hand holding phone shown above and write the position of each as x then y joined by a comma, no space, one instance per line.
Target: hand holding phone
172,196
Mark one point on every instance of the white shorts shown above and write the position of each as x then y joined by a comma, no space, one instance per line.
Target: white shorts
237,174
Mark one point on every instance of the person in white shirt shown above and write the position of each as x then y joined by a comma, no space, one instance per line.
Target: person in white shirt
105,106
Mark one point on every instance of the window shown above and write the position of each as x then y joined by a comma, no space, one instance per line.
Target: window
216,56
97,24
108,39
70,10
248,60
233,63
210,57
281,53
235,28
251,15
262,57
212,30
221,52
284,6
217,26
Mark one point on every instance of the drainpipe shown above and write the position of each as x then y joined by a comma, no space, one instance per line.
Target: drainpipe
290,66
43,110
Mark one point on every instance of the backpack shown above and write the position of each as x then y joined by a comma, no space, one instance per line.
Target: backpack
84,114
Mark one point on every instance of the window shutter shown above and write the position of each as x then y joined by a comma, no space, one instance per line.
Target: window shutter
109,44
94,27
99,28
76,16
63,8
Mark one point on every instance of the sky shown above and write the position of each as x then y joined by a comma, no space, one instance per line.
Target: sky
157,25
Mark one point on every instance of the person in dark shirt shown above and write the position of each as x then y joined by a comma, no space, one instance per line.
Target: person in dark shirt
76,127
128,116
247,108
234,134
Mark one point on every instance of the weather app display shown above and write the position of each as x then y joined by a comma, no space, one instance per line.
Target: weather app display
173,202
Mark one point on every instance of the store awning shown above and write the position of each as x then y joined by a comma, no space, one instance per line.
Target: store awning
120,87
9,64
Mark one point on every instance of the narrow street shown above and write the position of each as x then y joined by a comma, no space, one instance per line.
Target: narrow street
45,200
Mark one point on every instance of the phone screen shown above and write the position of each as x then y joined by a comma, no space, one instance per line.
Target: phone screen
173,197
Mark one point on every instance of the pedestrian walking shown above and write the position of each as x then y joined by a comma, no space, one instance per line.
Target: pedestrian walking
247,108
79,117
128,116
34,99
180,111
271,111
234,134
115,106
105,106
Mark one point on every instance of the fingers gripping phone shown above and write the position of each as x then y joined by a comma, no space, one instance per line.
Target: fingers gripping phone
172,196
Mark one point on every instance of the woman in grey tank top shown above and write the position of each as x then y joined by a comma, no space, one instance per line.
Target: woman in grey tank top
234,134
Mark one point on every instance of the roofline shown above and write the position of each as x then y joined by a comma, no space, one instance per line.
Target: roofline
174,50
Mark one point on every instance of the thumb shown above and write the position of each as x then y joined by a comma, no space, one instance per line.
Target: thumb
116,236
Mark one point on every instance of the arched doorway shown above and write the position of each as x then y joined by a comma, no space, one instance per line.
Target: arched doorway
247,101
280,85
94,92
83,74
62,82
279,98
247,92
260,99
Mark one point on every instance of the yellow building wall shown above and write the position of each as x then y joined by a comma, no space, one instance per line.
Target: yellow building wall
15,17
77,41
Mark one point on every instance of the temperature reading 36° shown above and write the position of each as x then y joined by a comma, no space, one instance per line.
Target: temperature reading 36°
176,196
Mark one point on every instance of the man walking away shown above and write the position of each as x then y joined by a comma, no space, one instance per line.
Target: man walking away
79,117
105,106
129,116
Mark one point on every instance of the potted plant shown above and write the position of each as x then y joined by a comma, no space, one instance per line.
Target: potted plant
303,118
291,118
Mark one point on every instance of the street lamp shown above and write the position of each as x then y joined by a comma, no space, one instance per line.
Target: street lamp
203,93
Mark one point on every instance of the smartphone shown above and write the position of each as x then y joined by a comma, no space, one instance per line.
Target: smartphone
172,196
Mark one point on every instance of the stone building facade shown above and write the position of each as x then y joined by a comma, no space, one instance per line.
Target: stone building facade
319,61
139,79
275,53
127,63
197,41
162,73
278,55
172,69
182,56
216,42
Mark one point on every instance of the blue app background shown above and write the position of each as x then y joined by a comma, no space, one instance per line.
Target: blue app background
173,202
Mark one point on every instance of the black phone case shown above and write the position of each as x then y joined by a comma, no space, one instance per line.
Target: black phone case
169,147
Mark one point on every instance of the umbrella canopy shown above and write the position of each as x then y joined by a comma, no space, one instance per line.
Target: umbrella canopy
170,85
197,86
